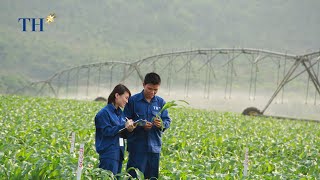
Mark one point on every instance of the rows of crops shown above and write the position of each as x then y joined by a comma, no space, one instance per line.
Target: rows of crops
35,132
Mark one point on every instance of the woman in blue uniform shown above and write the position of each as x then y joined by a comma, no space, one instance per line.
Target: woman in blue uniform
108,121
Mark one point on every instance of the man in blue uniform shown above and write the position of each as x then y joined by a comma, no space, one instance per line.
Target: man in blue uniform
144,142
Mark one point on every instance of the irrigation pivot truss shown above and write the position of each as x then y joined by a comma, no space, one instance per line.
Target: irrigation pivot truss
240,76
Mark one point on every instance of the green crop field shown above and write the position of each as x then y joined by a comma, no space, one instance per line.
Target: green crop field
35,143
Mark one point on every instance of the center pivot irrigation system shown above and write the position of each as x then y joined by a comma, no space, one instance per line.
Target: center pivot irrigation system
208,71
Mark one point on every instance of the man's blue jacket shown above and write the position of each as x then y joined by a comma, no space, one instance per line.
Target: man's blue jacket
141,140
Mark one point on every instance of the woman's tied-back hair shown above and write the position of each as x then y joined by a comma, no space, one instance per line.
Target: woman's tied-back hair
152,78
120,89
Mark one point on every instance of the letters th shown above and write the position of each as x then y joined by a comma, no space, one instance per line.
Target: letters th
35,22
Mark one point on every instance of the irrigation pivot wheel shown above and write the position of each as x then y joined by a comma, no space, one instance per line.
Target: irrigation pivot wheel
252,111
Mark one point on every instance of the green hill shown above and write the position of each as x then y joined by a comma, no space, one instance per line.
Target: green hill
91,31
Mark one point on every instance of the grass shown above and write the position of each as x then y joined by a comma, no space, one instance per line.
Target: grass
35,133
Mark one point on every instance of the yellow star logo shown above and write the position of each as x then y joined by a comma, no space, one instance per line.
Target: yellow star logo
50,18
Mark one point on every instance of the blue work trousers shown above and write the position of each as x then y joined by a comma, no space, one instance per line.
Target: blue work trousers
148,163
112,165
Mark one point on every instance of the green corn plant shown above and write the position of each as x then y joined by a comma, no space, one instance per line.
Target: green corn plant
168,105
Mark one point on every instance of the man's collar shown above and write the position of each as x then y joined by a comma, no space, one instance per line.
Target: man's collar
140,96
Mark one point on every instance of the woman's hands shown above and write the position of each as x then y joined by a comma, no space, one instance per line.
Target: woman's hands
129,125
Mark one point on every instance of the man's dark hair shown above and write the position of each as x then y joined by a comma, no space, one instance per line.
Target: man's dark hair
120,89
152,78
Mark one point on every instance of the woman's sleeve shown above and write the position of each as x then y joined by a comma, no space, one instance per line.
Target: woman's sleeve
104,124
